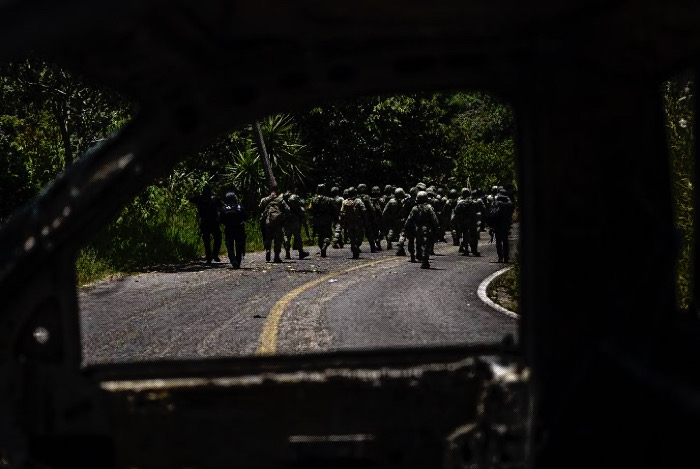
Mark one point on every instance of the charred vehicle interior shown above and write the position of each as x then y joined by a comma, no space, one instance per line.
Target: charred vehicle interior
605,370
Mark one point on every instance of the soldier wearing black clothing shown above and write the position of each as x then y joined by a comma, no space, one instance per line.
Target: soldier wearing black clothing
502,225
233,216
208,210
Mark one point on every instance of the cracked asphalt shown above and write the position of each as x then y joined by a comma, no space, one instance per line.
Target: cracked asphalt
196,311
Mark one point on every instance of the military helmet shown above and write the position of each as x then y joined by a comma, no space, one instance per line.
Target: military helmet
362,188
420,186
352,192
231,198
345,192
376,190
440,190
413,191
453,193
388,190
494,189
335,190
422,197
400,193
465,192
321,188
431,191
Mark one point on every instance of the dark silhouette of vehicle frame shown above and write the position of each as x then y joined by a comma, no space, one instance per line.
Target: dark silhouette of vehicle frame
611,363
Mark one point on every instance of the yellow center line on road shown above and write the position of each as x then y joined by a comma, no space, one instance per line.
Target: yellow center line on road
268,337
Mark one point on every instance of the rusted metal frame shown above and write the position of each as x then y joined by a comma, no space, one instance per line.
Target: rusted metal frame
694,306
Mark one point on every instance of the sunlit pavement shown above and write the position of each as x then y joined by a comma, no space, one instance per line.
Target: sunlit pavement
300,306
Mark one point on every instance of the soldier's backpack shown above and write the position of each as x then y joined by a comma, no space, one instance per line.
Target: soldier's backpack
276,213
464,210
232,215
351,212
491,214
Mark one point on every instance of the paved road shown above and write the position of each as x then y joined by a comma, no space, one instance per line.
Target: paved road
300,306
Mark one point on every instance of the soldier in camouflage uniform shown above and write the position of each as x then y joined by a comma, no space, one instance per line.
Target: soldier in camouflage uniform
439,207
262,206
391,217
433,201
293,224
372,217
337,203
388,194
323,213
466,215
424,223
379,228
353,218
274,212
406,206
480,197
447,213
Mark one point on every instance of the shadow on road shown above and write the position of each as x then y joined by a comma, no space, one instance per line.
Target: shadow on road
196,266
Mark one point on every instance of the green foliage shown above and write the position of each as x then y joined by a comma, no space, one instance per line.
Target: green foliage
398,138
505,289
485,128
486,164
680,119
91,267
48,118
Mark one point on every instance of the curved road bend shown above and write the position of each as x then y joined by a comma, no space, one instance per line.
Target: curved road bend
312,305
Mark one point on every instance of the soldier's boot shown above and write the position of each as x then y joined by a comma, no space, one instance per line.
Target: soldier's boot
355,252
400,251
388,245
476,254
277,259
461,248
413,257
335,246
303,254
372,248
419,256
323,251
425,264
287,255
267,256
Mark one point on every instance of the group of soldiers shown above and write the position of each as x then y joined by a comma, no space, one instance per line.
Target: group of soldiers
415,221
213,212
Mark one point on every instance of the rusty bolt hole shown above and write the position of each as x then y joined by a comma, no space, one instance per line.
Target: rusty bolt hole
41,335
